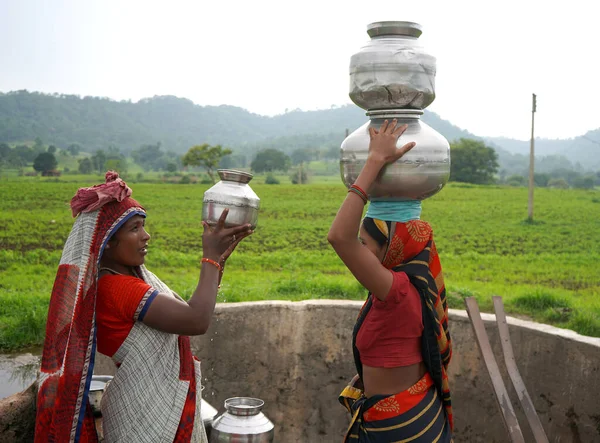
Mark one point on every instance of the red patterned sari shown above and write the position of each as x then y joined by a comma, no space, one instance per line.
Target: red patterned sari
63,410
422,413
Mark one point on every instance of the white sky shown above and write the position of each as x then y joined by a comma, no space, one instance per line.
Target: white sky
269,56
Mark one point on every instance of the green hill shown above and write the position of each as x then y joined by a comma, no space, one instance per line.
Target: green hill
177,123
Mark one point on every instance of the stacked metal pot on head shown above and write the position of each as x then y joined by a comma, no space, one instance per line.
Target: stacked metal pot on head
393,77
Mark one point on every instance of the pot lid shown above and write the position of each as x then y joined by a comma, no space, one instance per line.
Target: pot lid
409,29
234,175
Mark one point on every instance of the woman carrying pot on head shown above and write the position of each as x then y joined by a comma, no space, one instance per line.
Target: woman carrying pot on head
400,341
105,298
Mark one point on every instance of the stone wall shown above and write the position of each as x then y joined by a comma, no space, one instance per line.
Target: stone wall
17,417
297,357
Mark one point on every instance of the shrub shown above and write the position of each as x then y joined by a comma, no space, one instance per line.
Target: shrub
560,183
271,179
299,176
516,180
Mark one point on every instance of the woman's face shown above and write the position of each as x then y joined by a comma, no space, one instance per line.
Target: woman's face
371,244
128,246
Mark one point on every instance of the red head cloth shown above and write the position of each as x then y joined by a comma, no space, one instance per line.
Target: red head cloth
90,199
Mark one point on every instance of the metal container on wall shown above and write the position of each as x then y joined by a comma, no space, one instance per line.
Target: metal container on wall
392,70
231,192
242,422
419,174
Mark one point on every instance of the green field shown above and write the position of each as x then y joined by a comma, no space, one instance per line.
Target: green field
546,270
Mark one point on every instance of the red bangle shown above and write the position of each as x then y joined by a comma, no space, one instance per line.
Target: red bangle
357,192
212,262
361,191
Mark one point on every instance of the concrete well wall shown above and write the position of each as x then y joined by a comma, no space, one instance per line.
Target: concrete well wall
297,357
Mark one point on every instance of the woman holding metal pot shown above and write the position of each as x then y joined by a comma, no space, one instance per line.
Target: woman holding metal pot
401,342
105,298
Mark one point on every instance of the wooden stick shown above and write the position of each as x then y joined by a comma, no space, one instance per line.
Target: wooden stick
508,413
515,375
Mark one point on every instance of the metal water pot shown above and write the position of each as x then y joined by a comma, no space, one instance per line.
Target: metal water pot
392,70
231,192
242,422
419,174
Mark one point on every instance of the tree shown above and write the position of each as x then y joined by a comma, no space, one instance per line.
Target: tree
85,166
560,183
472,162
52,149
150,157
233,160
270,160
302,155
516,180
299,176
541,179
25,153
116,164
115,161
74,149
38,146
45,162
4,151
205,156
332,153
586,182
98,161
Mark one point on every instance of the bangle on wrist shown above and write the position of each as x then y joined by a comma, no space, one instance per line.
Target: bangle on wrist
358,191
212,262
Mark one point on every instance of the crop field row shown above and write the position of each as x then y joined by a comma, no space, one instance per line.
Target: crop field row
546,270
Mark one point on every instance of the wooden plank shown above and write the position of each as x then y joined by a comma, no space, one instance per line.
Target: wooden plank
515,375
506,409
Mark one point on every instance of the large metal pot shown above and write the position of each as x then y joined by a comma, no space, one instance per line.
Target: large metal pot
242,422
231,192
392,70
419,174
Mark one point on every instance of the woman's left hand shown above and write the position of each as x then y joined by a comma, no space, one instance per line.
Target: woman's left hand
382,148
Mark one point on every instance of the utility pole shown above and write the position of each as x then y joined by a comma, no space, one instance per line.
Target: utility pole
531,160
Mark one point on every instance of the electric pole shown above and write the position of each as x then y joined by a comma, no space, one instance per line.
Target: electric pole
531,160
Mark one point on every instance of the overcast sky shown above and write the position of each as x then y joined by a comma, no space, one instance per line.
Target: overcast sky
269,56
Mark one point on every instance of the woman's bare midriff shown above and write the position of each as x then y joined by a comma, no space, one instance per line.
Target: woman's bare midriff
389,381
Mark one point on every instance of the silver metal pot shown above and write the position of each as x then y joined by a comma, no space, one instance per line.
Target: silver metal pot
231,192
208,414
392,70
242,422
419,174
98,385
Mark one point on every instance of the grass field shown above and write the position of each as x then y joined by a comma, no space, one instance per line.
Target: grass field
546,270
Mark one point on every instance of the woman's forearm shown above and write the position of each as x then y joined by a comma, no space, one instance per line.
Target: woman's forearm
347,221
204,298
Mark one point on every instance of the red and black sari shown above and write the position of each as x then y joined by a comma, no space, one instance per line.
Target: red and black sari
422,413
